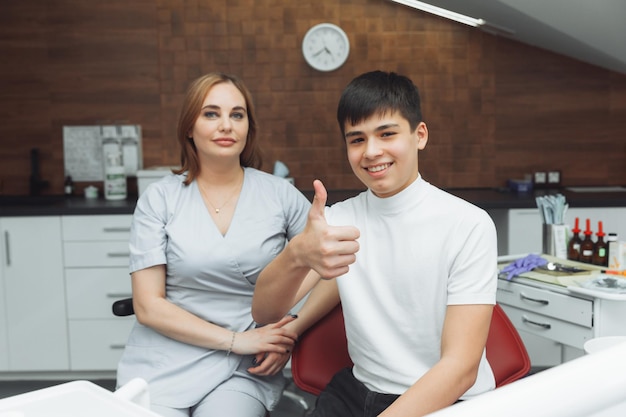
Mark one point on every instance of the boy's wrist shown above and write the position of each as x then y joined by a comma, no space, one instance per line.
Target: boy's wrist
293,326
296,254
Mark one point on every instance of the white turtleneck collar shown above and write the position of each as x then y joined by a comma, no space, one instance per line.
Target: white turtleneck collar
400,202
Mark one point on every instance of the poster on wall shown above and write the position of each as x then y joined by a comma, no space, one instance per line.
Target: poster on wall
86,147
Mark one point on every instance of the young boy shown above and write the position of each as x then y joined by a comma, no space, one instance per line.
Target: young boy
415,270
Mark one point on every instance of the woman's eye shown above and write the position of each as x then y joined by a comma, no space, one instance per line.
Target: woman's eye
238,116
211,114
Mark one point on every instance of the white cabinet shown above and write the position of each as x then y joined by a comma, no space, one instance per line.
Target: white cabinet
555,323
96,258
519,230
4,340
35,327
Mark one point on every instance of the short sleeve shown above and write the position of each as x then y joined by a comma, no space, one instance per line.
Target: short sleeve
148,240
296,210
473,277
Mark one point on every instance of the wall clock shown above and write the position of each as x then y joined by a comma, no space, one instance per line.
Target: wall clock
325,47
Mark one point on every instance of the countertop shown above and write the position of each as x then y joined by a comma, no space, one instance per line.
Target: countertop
502,198
53,205
486,198
577,284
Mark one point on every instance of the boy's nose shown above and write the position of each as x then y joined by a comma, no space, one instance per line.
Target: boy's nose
372,149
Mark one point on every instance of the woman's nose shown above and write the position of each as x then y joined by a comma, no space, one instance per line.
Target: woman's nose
225,123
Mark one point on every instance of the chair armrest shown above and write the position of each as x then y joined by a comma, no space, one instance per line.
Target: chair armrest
123,307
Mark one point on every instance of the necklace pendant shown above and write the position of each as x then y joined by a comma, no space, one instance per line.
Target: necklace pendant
217,211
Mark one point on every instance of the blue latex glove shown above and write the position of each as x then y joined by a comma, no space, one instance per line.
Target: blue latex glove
522,265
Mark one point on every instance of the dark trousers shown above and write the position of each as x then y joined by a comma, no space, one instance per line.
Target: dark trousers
345,396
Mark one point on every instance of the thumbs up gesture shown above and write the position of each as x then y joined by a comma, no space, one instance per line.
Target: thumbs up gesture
329,250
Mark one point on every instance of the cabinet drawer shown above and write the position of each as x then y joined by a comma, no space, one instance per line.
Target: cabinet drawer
91,292
540,301
94,254
106,227
548,327
97,345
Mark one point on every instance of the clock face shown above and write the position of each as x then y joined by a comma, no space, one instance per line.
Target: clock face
325,47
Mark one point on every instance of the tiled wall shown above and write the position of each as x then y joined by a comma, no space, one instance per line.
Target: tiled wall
495,108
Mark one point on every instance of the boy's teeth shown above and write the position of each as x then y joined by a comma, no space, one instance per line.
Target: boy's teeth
378,168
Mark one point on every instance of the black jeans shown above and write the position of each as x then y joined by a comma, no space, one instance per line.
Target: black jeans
345,396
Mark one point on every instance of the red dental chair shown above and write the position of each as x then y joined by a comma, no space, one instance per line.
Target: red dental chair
322,351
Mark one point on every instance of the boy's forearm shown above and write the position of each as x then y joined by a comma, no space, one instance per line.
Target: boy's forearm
321,300
462,343
277,286
437,389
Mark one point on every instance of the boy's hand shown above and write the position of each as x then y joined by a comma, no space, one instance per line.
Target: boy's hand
329,250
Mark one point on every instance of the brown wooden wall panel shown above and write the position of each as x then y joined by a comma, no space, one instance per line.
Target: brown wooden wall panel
495,108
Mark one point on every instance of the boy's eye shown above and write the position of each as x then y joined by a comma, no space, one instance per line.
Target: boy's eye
355,140
386,134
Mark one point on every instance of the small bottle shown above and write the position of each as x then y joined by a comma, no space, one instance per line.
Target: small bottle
600,248
587,245
573,247
68,186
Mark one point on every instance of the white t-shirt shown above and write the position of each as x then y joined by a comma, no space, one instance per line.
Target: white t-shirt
420,251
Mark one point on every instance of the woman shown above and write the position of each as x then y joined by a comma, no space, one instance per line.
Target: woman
199,239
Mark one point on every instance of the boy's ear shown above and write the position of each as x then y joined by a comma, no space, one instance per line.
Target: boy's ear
422,135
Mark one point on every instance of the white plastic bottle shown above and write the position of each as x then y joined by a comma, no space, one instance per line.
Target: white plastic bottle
614,258
130,149
114,176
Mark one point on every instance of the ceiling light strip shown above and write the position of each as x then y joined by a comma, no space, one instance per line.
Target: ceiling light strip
448,14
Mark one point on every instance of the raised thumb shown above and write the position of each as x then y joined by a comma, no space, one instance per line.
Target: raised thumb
319,200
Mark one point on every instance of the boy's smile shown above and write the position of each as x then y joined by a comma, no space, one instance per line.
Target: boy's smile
382,152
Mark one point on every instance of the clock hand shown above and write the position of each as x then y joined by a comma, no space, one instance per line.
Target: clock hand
320,51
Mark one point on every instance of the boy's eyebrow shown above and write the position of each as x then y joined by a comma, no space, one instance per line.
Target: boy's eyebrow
378,129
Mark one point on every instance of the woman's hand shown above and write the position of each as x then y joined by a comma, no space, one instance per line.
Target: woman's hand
271,338
270,363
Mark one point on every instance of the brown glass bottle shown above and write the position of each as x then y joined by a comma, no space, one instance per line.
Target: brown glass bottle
587,246
573,247
600,255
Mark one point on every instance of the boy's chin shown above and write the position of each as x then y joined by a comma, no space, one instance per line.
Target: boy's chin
382,191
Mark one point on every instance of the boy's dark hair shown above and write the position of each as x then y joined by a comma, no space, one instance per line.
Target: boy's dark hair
379,92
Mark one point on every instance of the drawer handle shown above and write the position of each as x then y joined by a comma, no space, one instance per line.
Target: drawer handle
546,326
119,294
534,300
7,243
117,346
116,229
118,254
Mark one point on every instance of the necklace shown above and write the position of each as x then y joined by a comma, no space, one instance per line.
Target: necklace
217,209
